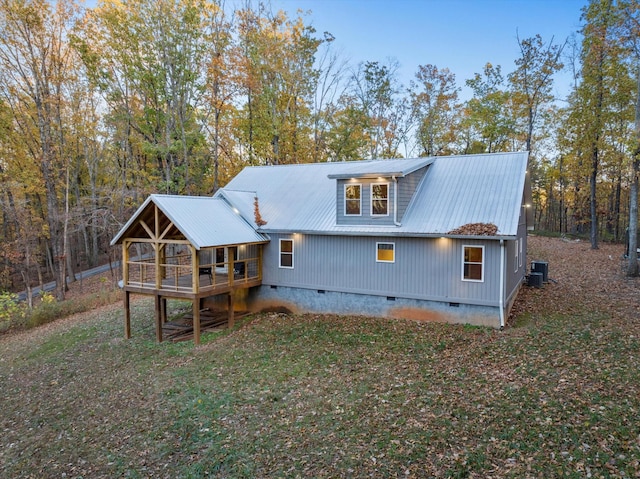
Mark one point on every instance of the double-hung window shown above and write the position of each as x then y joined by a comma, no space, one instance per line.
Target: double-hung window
379,199
473,263
352,199
286,253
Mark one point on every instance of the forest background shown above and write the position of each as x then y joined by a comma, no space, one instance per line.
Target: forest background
102,106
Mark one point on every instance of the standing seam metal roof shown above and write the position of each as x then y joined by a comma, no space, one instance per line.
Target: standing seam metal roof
455,191
205,221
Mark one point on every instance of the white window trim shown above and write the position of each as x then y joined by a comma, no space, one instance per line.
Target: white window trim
378,243
517,259
371,199
521,261
344,195
280,253
481,280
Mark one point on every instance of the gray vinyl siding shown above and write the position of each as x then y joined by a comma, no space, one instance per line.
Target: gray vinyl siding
424,268
406,188
365,217
515,273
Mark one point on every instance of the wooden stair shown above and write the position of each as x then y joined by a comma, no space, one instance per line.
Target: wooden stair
181,329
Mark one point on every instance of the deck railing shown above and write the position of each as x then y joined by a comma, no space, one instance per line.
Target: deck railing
178,277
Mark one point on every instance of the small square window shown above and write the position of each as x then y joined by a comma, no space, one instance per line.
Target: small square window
473,263
380,199
352,200
385,252
286,253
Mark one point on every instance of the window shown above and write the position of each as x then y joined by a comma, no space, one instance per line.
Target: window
385,252
352,199
473,263
379,199
521,258
286,253
516,262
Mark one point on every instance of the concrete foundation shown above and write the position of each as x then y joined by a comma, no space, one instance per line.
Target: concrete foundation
298,300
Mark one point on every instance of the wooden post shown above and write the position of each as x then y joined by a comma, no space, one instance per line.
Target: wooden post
127,316
125,263
231,319
158,318
163,310
195,270
162,255
196,321
157,252
230,268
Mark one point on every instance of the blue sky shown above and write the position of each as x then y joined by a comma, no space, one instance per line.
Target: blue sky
462,35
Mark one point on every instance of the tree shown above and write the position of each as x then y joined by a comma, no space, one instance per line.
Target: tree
346,138
630,26
374,93
37,64
278,81
221,86
147,56
434,100
327,90
532,82
598,56
488,112
632,265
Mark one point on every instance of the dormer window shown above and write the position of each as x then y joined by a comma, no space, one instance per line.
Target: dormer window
353,200
380,199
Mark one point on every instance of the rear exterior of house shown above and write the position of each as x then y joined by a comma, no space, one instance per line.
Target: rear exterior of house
391,238
438,239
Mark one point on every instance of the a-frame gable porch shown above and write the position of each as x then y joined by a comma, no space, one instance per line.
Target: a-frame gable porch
176,248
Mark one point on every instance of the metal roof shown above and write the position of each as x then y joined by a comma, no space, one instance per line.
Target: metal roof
377,168
455,191
204,221
460,190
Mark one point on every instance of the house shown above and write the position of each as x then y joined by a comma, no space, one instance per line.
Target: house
438,238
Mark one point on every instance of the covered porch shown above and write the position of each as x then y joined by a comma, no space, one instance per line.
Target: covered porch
187,248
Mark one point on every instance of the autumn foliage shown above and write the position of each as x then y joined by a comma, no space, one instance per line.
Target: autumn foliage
256,212
475,229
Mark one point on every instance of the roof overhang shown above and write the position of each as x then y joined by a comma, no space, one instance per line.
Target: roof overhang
202,221
367,173
390,233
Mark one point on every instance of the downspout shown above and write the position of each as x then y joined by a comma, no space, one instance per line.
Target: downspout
395,201
502,279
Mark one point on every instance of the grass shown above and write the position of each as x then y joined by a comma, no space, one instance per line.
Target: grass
323,396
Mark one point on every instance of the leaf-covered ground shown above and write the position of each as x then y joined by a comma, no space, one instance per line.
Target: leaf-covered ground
557,394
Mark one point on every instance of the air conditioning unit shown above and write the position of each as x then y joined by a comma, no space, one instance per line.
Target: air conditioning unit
541,267
535,280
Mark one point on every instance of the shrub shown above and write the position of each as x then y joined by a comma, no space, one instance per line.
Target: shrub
50,309
11,311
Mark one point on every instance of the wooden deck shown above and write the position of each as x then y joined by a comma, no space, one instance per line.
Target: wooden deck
186,286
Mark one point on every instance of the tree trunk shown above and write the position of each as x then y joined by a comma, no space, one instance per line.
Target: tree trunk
632,268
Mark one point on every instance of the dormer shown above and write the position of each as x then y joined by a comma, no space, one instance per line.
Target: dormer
377,193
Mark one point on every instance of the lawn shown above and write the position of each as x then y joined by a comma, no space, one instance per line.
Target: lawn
557,394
